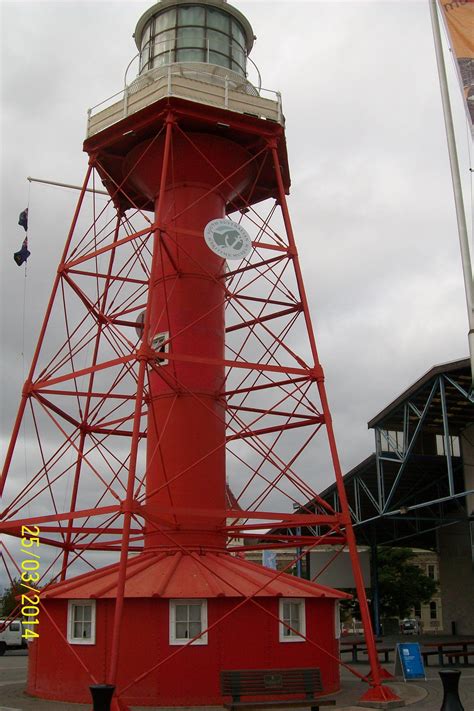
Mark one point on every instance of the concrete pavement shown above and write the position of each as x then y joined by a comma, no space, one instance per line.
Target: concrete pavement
420,696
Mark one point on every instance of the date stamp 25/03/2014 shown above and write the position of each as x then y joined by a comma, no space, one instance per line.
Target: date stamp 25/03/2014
30,576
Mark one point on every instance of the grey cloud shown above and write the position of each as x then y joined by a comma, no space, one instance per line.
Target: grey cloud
371,199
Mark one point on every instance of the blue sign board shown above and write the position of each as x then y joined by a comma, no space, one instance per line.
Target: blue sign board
411,662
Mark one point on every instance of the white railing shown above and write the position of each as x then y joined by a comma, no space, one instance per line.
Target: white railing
234,87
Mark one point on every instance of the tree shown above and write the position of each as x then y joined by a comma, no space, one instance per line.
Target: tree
8,603
402,584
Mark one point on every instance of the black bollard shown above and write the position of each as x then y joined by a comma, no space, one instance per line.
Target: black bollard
451,700
102,696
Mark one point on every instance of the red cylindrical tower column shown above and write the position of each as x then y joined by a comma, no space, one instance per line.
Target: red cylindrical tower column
185,474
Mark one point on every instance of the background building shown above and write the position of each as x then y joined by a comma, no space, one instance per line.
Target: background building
417,489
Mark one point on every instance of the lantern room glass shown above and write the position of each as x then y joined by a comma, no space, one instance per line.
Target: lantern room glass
193,33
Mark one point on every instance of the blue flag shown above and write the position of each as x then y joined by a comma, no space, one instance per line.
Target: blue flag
23,219
21,256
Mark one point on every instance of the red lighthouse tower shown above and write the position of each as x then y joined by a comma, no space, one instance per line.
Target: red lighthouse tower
201,378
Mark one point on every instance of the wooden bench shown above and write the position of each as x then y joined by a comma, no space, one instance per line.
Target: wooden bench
428,653
457,655
381,650
274,682
356,648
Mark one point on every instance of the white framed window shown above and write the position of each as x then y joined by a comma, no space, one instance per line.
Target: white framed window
188,618
81,622
292,616
391,441
454,445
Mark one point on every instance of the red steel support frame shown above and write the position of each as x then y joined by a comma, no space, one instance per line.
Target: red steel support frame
263,306
21,410
378,690
143,356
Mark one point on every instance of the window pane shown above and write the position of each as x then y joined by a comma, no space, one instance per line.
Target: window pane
87,613
292,617
77,630
77,613
220,59
218,41
86,633
237,33
181,613
295,615
146,34
194,629
181,630
190,37
161,60
164,42
238,54
195,613
191,16
217,20
190,55
144,58
166,20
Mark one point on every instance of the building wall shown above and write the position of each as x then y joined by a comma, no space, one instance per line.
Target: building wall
248,638
467,450
457,554
457,577
430,615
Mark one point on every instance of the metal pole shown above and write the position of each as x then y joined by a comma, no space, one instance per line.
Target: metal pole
456,178
26,387
66,185
375,584
143,358
299,567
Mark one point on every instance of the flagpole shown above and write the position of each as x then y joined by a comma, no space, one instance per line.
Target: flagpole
66,185
456,179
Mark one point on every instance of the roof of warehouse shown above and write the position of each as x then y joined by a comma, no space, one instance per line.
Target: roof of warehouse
424,478
393,412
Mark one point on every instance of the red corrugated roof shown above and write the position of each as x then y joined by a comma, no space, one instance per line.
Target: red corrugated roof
173,574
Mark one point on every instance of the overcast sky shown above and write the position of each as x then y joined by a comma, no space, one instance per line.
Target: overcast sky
371,198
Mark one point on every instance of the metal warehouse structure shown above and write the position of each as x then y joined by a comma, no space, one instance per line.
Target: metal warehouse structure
417,489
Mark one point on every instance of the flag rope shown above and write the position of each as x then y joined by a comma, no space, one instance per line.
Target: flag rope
23,331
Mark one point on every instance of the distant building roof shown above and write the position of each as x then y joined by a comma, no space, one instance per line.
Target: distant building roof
418,479
455,367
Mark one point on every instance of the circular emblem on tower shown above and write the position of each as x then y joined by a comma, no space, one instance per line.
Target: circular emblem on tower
227,239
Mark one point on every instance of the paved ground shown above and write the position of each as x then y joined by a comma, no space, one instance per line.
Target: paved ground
420,696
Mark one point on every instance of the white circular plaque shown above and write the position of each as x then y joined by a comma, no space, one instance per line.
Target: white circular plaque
227,239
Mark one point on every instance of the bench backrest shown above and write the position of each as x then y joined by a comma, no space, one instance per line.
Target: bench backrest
253,682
